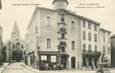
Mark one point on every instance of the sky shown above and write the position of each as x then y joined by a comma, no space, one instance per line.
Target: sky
11,13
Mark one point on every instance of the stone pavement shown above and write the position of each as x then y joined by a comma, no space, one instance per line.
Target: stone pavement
22,68
3,67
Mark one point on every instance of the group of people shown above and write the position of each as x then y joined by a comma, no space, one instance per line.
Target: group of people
50,66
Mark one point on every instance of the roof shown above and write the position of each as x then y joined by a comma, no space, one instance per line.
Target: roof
71,13
113,36
105,30
68,12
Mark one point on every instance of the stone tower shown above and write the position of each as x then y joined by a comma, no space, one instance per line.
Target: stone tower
60,4
15,33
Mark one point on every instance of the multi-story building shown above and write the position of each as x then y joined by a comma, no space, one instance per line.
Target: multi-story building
113,50
105,45
59,38
90,42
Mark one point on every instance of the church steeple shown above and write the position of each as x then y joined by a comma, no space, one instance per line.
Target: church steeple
15,33
60,4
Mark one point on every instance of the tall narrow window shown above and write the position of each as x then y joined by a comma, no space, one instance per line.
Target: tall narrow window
63,36
73,44
84,25
48,21
84,47
84,35
95,47
104,38
72,25
95,37
48,43
89,36
89,25
95,27
62,18
89,48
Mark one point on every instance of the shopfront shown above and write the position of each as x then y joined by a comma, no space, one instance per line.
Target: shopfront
90,59
52,60
47,60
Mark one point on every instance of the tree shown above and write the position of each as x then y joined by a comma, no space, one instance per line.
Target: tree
17,55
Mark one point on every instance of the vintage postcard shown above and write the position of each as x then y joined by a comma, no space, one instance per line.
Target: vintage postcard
62,36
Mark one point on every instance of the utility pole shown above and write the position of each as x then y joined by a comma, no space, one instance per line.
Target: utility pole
37,48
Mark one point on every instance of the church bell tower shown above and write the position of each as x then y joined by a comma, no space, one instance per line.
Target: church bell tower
60,4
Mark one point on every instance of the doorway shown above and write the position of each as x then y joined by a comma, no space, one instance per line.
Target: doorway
73,62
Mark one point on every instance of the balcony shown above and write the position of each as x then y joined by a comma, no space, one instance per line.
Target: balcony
62,23
62,39
62,44
91,53
62,26
62,31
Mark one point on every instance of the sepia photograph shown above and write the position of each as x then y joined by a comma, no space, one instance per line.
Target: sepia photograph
57,36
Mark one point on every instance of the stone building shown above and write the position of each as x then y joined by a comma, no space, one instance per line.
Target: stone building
13,42
113,50
60,38
90,43
105,45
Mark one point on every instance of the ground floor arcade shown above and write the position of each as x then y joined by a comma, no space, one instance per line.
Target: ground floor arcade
90,59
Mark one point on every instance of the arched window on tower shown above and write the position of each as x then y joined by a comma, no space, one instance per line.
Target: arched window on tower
72,25
62,16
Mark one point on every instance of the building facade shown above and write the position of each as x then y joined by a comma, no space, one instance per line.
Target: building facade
90,43
58,38
105,46
113,51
